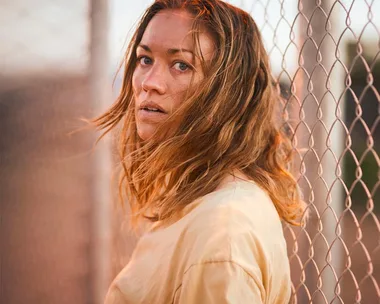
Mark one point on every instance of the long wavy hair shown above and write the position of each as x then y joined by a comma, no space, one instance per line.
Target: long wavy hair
227,123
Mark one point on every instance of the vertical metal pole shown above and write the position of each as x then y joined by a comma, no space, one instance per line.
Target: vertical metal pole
100,93
320,95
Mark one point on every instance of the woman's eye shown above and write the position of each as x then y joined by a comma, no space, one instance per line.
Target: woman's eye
143,60
181,66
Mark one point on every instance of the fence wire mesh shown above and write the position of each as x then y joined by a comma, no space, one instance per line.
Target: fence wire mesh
332,101
325,59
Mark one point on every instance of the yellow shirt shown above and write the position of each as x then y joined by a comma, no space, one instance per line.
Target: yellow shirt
227,247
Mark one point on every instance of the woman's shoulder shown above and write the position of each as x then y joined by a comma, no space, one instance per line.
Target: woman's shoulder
238,215
237,224
235,220
238,204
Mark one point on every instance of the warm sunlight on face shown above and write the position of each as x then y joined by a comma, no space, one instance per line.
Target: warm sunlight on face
165,66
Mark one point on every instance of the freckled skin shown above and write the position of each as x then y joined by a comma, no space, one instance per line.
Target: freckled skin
163,72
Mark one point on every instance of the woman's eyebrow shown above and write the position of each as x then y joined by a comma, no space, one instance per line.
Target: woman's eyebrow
169,51
145,47
174,51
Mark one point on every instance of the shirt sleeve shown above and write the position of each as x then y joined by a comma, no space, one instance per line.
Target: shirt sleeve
219,283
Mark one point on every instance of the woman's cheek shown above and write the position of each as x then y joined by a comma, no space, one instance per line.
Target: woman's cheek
135,83
181,90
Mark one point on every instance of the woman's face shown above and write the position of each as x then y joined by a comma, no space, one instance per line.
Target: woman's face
166,64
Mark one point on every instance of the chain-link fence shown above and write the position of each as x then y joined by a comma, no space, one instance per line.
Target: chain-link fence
329,71
54,59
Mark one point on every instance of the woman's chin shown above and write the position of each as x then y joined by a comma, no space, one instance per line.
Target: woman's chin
146,132
153,132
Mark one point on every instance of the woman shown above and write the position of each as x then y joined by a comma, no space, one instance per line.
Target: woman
203,160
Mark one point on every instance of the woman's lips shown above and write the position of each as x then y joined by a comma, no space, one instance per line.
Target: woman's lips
146,105
145,115
151,112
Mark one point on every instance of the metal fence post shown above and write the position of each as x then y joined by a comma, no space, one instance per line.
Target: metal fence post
100,93
322,106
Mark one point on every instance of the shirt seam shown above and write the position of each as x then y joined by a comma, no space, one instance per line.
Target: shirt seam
211,262
119,290
219,262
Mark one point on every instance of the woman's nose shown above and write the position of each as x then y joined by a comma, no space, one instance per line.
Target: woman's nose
155,81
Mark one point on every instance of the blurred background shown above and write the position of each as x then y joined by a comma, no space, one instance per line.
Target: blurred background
63,238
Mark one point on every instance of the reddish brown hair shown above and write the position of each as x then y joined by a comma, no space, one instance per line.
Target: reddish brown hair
227,123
